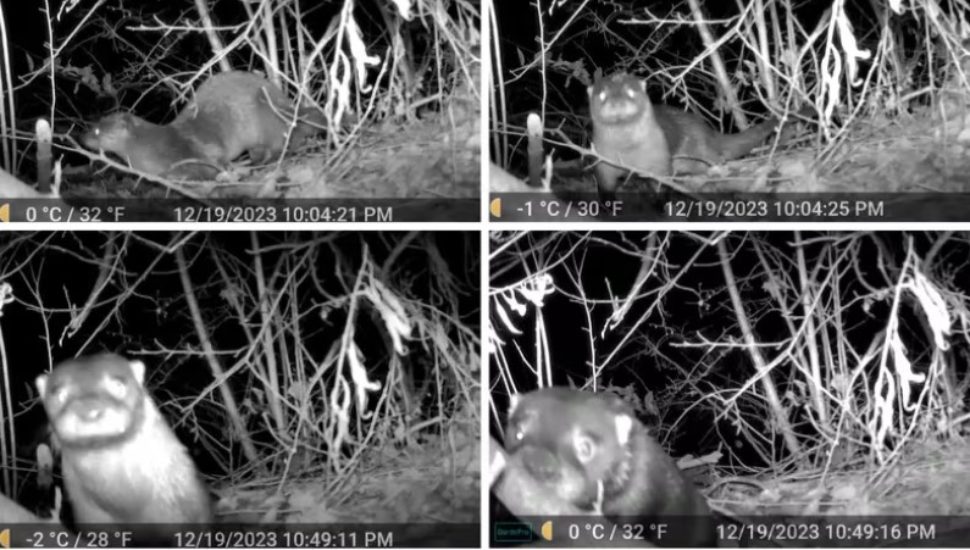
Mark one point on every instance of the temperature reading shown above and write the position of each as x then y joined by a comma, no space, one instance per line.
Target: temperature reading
556,209
88,539
588,533
83,214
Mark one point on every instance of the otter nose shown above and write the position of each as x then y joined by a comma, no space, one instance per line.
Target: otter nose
541,463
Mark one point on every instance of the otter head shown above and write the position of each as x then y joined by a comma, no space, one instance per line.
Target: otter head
619,99
575,443
93,401
112,133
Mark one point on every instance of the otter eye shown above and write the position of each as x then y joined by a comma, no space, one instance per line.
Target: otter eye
585,448
59,393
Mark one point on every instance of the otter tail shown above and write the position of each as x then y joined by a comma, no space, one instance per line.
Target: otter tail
741,143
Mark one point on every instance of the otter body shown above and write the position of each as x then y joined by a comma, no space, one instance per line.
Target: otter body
590,451
120,461
655,139
236,112
232,113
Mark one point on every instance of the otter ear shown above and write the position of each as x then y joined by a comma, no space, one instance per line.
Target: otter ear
615,402
138,369
513,403
41,384
624,427
643,85
589,91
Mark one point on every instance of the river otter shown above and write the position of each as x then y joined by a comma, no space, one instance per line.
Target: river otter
231,113
589,450
120,461
656,140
